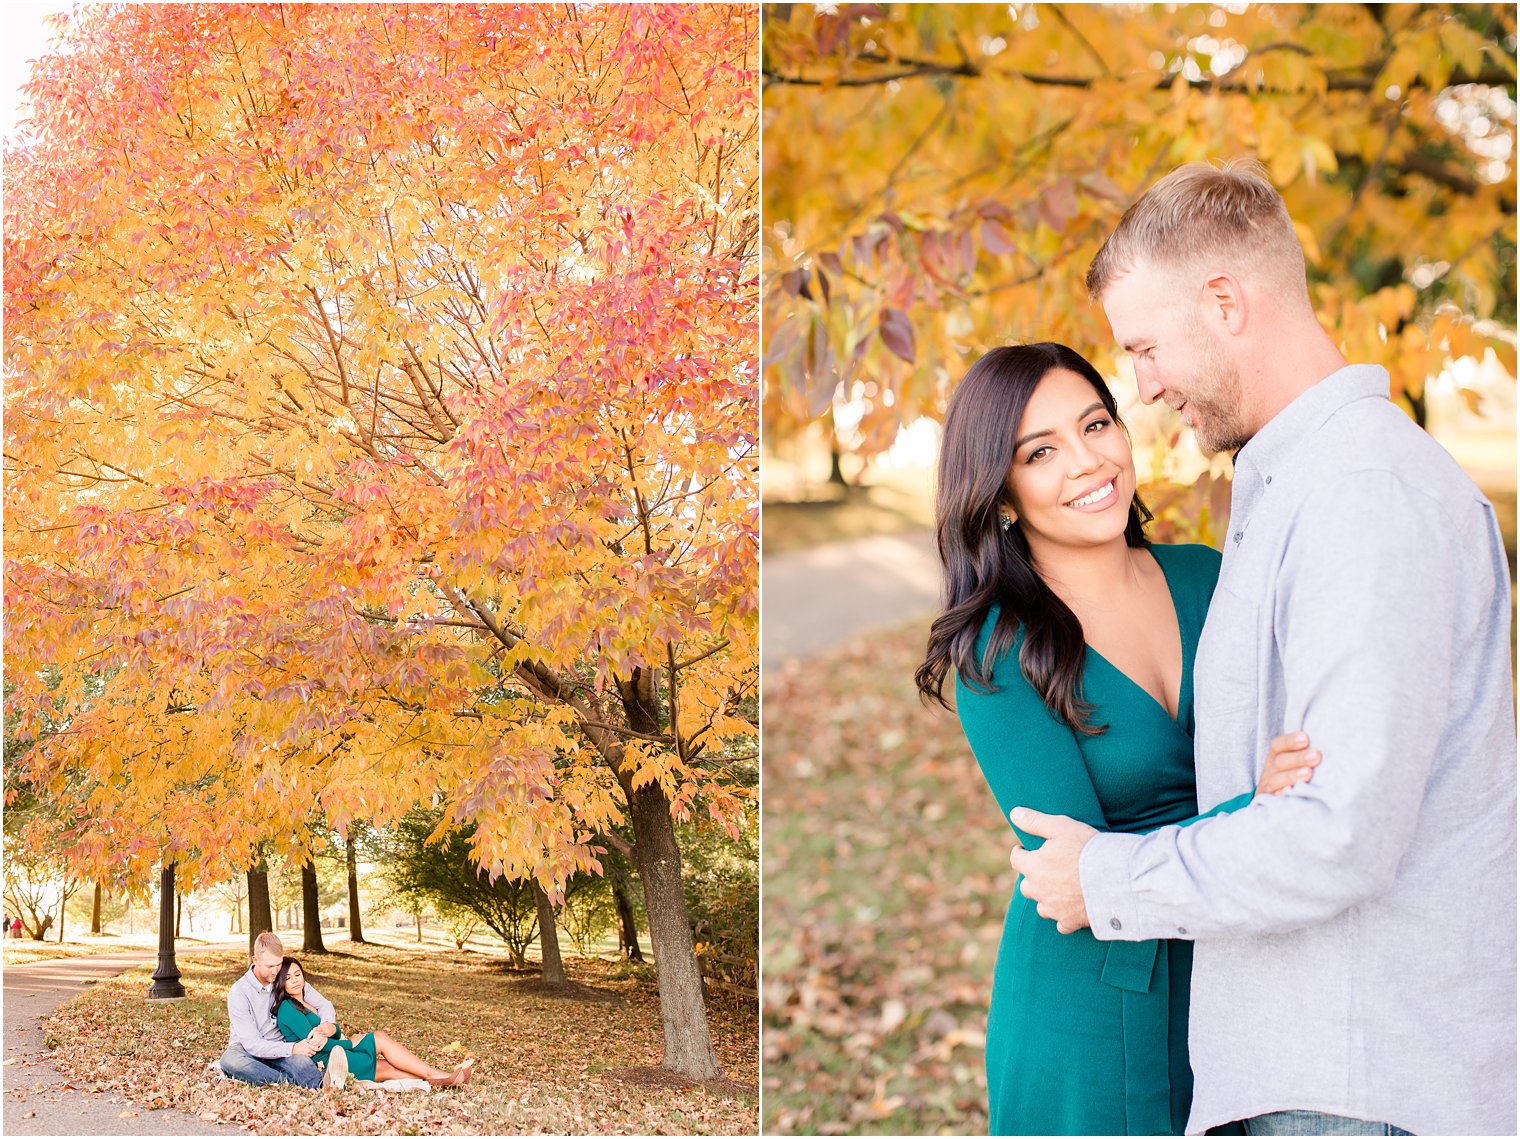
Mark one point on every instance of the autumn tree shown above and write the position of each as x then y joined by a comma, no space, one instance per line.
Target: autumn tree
428,863
380,409
937,178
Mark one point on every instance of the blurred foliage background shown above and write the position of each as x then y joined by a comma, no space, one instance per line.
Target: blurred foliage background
937,177
936,180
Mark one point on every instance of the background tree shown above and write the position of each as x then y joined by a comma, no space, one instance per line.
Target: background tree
366,360
722,894
311,911
230,896
939,176
351,865
260,912
589,914
429,864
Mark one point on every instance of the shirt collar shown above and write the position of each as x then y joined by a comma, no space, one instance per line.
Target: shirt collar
1283,433
252,976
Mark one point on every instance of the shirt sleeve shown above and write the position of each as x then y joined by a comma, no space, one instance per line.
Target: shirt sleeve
245,1026
1368,573
321,1005
1027,755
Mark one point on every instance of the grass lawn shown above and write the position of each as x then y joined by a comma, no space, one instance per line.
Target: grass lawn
19,952
885,885
547,1065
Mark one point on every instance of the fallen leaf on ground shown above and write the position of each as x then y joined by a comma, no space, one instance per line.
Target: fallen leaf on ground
886,882
543,1067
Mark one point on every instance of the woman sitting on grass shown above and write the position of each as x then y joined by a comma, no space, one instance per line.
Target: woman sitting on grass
373,1056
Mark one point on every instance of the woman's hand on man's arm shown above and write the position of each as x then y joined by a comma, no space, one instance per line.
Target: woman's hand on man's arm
1290,761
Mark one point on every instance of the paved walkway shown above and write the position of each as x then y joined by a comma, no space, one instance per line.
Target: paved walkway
814,599
39,1099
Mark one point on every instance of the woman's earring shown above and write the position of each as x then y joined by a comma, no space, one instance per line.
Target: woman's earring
1007,521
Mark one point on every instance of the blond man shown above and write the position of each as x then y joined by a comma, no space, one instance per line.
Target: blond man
1355,963
256,1052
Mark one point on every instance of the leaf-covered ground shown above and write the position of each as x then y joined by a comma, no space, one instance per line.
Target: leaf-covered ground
886,879
546,1065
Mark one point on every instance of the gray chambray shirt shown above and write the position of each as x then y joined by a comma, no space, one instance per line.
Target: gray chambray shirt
1356,935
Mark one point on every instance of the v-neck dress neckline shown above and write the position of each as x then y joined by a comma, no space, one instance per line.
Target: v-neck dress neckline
1185,684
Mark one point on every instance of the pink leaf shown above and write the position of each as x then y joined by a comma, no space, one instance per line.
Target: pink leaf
897,333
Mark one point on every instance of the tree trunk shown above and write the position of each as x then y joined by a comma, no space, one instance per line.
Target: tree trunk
63,905
311,914
548,938
355,930
688,1044
419,930
836,468
657,857
628,926
260,919
95,910
179,910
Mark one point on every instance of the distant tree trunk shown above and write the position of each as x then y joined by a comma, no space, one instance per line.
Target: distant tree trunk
260,917
63,906
548,938
1419,405
179,910
836,470
311,915
419,929
355,930
95,910
628,926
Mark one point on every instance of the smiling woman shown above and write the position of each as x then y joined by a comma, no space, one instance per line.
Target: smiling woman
1031,430
1072,641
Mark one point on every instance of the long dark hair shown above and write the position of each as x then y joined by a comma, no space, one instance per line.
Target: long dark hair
985,564
280,995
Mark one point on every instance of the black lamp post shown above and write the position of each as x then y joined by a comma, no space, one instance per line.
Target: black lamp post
166,986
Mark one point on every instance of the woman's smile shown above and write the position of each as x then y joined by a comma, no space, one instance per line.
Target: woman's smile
1100,499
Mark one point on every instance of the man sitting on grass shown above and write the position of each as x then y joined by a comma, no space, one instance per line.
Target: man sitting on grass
256,1052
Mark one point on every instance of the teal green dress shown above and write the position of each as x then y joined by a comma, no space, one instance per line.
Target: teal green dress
1087,1037
296,1023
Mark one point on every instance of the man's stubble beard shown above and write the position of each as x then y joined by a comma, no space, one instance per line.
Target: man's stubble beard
1217,414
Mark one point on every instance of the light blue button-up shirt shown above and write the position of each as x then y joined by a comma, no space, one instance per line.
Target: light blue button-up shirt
1356,935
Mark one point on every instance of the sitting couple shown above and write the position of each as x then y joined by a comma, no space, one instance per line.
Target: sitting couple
1329,949
285,1032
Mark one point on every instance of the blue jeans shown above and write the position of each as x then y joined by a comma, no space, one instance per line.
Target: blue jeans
300,1070
1316,1123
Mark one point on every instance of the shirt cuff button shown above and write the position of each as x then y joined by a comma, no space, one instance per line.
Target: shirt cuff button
1182,929
1114,923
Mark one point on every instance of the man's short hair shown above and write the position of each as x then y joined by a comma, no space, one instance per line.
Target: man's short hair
1229,215
269,945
